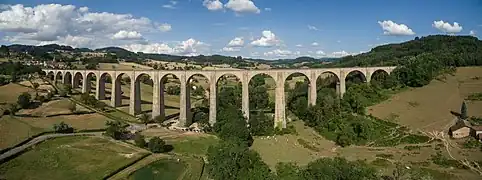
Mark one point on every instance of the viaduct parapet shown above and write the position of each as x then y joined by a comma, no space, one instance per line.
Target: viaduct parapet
78,78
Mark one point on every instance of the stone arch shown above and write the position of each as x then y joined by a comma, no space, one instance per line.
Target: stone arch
141,99
232,74
272,76
198,87
67,79
167,87
58,76
199,73
379,71
119,81
89,76
329,82
330,77
77,80
259,102
50,75
363,76
291,74
292,84
378,77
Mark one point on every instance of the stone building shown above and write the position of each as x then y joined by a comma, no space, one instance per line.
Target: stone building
459,130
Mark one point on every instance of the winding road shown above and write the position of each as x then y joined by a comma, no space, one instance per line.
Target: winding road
40,139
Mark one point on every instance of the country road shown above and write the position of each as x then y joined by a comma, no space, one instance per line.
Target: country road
40,139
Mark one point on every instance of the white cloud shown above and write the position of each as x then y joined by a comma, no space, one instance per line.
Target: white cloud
83,9
299,45
280,53
165,27
68,25
236,42
391,28
171,5
310,27
268,39
127,35
230,49
267,9
320,53
168,6
315,44
473,33
447,27
340,54
254,54
190,47
159,48
213,5
242,6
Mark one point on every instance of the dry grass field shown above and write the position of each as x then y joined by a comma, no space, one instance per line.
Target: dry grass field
10,92
428,108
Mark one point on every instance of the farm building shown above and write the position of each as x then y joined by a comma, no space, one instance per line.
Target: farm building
459,130
476,131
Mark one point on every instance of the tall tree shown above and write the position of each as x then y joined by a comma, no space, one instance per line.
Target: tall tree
463,111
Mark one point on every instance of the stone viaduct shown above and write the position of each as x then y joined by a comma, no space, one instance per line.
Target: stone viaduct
77,77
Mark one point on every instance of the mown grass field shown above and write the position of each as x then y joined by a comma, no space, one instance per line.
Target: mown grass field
165,169
70,158
14,129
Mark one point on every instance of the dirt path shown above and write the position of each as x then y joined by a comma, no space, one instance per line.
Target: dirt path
40,139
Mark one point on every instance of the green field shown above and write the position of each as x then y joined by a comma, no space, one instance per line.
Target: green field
165,169
193,145
70,158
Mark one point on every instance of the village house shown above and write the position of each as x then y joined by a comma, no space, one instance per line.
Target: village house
476,131
459,130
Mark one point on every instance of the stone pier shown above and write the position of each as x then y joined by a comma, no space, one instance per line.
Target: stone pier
185,116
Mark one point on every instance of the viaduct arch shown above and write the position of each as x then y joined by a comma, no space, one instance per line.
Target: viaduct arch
212,76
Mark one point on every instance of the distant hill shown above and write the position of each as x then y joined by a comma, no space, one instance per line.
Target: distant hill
452,50
41,52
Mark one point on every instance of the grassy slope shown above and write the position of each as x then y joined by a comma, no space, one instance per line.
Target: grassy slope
16,129
69,158
428,108
167,169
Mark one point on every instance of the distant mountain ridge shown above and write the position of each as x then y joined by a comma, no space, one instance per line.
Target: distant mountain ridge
134,56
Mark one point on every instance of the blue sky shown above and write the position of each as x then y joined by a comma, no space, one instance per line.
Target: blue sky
269,29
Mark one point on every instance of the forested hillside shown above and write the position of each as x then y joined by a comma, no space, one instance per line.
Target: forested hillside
449,50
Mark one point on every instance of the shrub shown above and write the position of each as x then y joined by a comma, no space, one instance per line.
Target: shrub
343,140
63,128
443,161
24,100
114,129
472,143
72,107
410,148
157,145
139,140
159,119
386,156
12,109
307,145
3,81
